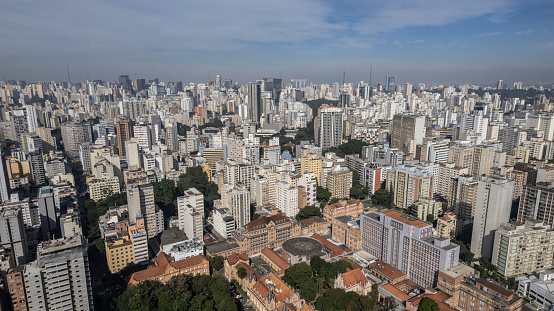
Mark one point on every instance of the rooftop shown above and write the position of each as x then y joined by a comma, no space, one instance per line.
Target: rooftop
407,219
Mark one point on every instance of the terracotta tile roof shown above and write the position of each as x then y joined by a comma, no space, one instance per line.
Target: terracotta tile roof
439,297
400,217
386,269
164,265
263,221
235,257
280,262
334,248
354,277
310,221
395,292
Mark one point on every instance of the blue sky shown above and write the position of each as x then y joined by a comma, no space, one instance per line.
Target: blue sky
428,41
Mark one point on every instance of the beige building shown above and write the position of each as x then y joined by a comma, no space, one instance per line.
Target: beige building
446,172
425,207
101,188
352,208
408,184
339,182
483,157
446,225
462,198
523,248
311,163
461,156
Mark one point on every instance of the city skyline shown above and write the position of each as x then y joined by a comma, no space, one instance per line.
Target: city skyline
426,41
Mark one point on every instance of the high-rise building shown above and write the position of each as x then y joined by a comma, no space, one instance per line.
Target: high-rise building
4,181
391,84
493,205
446,172
49,213
339,182
73,134
537,202
143,134
16,288
12,234
372,177
237,201
124,131
48,141
218,81
274,151
60,277
132,153
254,101
32,121
500,85
19,123
461,156
190,211
330,130
37,168
287,198
408,185
406,128
446,225
523,248
483,157
408,244
140,199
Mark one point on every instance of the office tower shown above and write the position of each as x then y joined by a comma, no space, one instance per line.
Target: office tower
12,234
500,85
287,198
49,214
124,130
37,168
523,248
140,199
339,182
32,121
60,278
73,134
48,141
237,201
140,84
537,202
483,157
406,128
408,244
190,211
84,156
330,129
391,84
218,81
407,90
409,184
4,181
274,151
143,135
493,205
132,153
228,83
254,101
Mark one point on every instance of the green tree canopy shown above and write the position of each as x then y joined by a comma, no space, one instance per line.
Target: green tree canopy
428,304
241,272
323,194
307,212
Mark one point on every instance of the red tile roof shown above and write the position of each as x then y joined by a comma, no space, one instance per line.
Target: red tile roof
263,221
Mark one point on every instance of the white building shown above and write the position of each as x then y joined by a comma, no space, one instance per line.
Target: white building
190,211
224,223
287,198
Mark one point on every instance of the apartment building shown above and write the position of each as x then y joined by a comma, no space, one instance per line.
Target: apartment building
408,185
523,248
446,225
537,202
339,182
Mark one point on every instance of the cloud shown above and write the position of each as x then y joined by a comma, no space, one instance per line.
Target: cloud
489,34
523,33
386,16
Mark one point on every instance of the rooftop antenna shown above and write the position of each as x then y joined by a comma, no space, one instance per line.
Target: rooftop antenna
370,73
68,77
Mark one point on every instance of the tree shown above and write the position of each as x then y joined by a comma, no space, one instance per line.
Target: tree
307,212
216,262
241,272
308,289
381,197
297,274
387,304
430,218
428,304
323,194
361,303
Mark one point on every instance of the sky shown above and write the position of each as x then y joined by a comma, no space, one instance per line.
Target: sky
425,41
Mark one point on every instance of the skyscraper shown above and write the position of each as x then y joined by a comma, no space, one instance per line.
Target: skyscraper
4,181
330,131
391,84
254,101
494,202
406,128
124,130
12,234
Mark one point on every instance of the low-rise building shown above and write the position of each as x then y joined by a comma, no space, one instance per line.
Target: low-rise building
346,230
446,225
539,287
477,293
356,280
165,268
351,208
425,207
